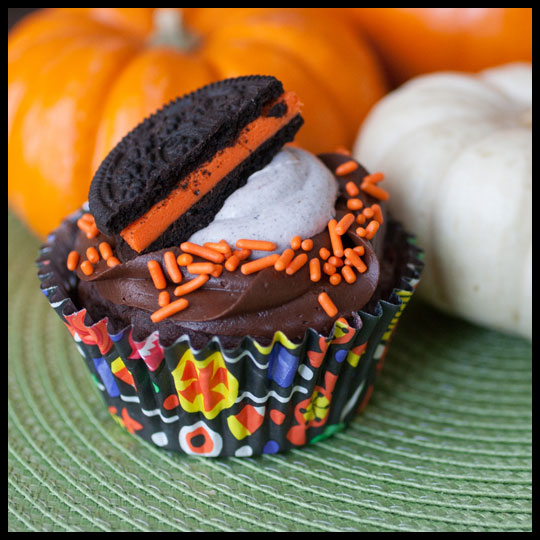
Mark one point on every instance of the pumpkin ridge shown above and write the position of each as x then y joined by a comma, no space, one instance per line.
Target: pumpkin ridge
297,33
329,91
48,169
299,60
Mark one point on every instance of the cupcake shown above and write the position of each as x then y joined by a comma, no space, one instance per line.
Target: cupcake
230,293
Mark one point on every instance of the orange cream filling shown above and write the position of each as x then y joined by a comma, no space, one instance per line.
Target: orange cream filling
144,230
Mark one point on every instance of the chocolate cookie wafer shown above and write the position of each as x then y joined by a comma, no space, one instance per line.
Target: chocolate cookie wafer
170,175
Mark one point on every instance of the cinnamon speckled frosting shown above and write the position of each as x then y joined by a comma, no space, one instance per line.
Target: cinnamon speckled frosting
295,194
234,305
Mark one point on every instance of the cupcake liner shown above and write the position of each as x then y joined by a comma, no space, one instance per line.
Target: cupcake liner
246,401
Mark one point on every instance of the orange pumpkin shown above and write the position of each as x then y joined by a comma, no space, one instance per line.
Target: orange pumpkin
412,41
80,78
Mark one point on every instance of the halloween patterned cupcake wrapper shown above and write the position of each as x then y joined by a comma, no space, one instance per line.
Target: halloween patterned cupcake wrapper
221,402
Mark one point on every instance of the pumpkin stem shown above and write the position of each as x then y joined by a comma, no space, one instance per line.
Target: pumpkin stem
169,30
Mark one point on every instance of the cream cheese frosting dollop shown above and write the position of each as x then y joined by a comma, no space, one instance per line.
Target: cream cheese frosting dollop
294,194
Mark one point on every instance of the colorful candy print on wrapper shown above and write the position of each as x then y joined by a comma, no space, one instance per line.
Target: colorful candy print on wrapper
247,401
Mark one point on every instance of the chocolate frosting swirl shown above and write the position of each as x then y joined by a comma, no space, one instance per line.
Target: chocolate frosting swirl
258,304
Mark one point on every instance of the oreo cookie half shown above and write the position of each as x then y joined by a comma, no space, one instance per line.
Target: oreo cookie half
171,174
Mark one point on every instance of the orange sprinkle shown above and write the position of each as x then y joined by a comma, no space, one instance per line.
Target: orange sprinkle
352,189
368,213
92,232
242,254
218,270
164,298
231,264
342,150
359,249
203,252
89,218
87,268
348,274
85,219
336,261
335,279
72,260
315,269
170,309
156,273
361,267
201,268
88,227
307,244
191,285
360,219
354,204
296,264
375,191
327,304
369,232
335,239
259,264
220,246
374,178
356,261
285,258
92,254
344,223
346,168
324,253
106,250
296,242
329,268
256,245
184,259
377,213
112,262
169,258
225,245
371,229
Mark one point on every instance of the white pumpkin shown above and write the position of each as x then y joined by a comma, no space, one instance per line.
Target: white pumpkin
456,151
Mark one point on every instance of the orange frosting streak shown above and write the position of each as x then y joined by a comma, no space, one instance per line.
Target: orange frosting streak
143,231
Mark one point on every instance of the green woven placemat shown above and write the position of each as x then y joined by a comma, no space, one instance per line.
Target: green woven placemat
444,444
